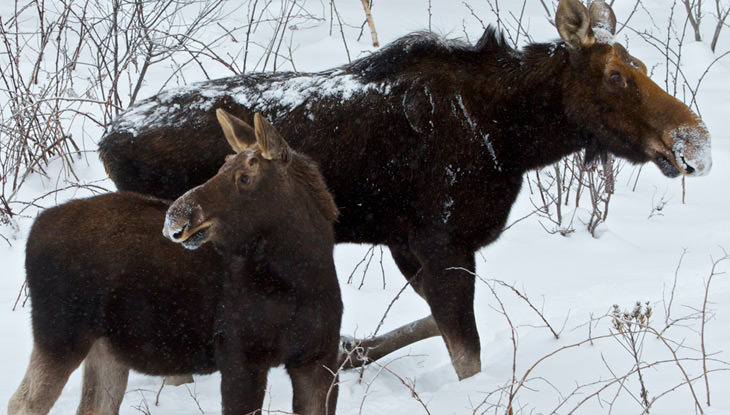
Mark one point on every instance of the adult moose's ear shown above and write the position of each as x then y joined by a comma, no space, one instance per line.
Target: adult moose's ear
238,134
603,21
272,144
574,24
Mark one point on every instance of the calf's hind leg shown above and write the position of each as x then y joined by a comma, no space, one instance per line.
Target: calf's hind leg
43,382
105,381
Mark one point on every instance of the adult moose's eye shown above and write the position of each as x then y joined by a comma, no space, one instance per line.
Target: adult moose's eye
616,79
244,179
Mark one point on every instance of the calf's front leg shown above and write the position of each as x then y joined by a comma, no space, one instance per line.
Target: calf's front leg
315,388
242,388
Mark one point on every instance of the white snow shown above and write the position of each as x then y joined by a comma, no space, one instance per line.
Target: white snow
572,281
291,93
476,130
603,36
284,94
447,209
492,153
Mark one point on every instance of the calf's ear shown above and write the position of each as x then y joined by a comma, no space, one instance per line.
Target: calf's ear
272,144
238,134
574,24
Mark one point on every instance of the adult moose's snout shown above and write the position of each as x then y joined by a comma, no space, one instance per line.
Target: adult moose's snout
691,148
682,145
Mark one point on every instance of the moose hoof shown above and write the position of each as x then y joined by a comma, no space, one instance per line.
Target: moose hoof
351,353
347,343
466,366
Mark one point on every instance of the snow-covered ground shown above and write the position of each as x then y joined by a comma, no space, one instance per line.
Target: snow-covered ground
574,281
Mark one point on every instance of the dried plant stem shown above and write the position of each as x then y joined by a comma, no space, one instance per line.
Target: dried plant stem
713,273
336,13
371,23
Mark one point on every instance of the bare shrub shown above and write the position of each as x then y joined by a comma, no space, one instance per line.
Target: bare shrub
696,13
631,327
674,355
67,69
71,65
570,182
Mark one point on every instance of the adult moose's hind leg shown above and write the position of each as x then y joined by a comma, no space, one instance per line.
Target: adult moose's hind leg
409,266
43,382
446,282
105,381
374,348
315,388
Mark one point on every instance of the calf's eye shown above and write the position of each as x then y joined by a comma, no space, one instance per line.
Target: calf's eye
244,179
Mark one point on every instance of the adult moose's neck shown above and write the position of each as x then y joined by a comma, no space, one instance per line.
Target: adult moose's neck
519,100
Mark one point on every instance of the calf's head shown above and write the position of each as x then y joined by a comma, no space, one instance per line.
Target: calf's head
253,193
622,111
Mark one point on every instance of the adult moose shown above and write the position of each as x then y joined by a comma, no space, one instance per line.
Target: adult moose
106,286
425,142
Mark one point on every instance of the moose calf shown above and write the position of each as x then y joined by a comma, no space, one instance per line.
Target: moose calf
106,286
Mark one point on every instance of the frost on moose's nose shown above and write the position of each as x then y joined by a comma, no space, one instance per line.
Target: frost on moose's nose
176,219
691,148
171,230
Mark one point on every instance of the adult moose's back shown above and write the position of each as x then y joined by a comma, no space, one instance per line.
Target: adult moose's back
425,142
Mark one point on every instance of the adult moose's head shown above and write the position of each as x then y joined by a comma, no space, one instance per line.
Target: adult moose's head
252,193
622,110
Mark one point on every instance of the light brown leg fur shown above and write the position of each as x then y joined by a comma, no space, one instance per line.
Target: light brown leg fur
42,385
177,380
104,382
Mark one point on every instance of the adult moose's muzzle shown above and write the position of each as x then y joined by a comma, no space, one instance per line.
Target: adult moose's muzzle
691,149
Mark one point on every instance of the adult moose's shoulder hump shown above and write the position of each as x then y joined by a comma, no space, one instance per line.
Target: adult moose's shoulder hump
424,143
107,288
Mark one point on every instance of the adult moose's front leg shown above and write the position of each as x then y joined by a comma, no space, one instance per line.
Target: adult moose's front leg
446,282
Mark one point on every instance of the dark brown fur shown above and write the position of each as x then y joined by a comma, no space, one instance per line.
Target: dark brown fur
106,284
428,156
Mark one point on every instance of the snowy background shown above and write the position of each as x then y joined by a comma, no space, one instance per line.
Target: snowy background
652,249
